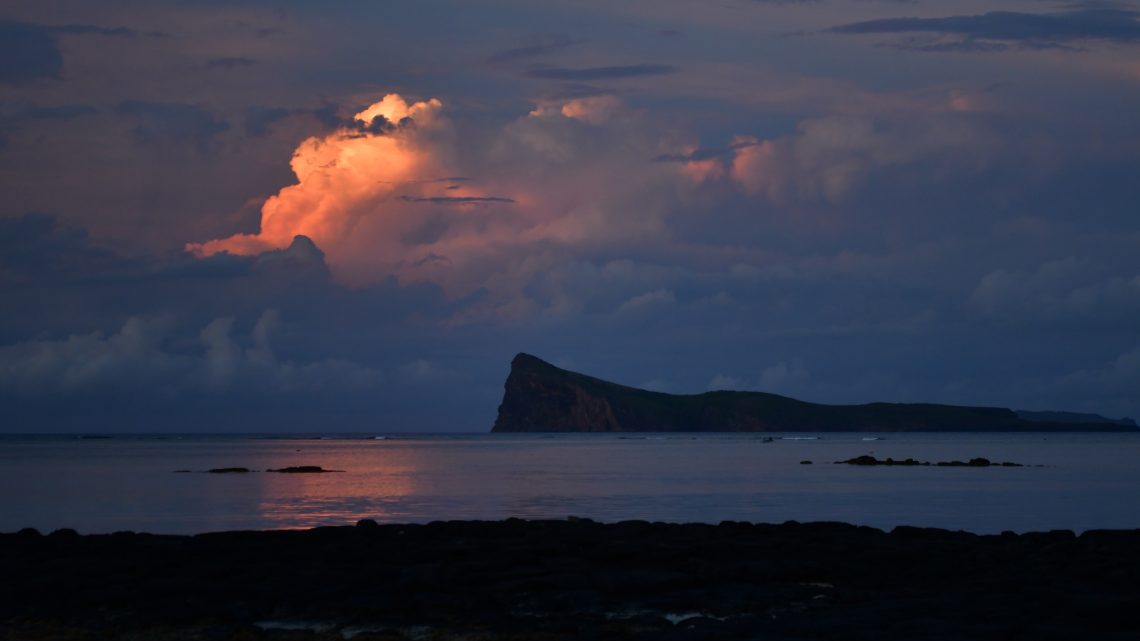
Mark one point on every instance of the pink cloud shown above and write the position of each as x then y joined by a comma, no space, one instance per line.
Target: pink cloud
426,202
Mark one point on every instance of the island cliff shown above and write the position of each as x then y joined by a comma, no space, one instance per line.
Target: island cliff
540,397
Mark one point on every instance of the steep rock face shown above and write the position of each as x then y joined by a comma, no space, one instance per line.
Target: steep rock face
540,397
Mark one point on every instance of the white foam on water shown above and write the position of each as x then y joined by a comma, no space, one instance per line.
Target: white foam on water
311,626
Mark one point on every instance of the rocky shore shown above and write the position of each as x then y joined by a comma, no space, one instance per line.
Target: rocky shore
572,579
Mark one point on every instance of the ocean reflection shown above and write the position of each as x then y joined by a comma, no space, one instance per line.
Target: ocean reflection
1089,481
376,486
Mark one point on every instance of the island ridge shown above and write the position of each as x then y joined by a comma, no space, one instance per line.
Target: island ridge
540,397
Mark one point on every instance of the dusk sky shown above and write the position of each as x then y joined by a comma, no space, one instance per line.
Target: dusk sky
334,216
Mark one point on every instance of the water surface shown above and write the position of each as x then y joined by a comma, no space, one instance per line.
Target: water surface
128,482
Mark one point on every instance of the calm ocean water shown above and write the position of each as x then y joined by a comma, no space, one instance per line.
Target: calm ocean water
128,482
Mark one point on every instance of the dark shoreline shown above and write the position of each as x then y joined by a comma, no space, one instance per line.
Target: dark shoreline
572,579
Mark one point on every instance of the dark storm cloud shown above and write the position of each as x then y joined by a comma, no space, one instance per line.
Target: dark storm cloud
259,119
61,112
599,73
35,246
28,52
540,48
378,125
16,115
1118,25
181,340
164,122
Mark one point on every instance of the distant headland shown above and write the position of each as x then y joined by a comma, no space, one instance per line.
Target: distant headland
540,397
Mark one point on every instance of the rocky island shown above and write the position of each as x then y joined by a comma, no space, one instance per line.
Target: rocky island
540,397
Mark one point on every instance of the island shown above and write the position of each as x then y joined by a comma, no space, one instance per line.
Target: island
539,397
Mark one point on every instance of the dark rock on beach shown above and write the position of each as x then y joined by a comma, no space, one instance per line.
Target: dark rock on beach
303,469
562,580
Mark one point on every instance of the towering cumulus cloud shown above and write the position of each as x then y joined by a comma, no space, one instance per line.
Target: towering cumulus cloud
352,184
400,192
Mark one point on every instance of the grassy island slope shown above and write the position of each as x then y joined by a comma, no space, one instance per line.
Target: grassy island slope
540,397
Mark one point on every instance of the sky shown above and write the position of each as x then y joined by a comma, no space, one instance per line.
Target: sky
346,216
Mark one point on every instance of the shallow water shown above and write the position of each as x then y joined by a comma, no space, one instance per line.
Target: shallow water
128,483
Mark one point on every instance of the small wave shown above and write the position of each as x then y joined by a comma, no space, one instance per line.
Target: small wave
311,626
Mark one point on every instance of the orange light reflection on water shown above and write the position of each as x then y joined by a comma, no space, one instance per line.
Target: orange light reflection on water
372,484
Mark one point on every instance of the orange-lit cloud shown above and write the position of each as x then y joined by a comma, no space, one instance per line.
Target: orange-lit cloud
343,179
594,110
829,158
418,200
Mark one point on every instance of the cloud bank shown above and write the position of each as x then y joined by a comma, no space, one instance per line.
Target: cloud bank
140,356
402,193
992,31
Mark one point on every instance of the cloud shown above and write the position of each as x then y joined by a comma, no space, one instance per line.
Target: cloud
350,176
969,45
647,302
722,382
540,46
114,32
161,123
457,200
570,91
1071,291
513,221
599,73
781,378
28,52
988,32
708,153
16,118
1109,389
229,62
831,157
142,356
594,110
470,210
259,119
16,113
35,247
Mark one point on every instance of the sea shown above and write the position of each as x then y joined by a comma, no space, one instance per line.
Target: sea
109,483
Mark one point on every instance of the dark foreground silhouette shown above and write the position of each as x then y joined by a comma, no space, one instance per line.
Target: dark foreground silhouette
572,579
